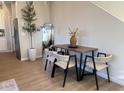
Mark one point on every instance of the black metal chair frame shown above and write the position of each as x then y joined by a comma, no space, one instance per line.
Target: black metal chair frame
66,70
94,70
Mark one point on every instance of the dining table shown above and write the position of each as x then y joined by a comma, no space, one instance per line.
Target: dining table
79,49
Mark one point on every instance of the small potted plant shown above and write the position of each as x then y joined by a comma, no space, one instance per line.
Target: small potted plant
29,16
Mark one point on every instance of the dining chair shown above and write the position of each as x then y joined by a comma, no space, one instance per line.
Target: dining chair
64,62
98,63
48,56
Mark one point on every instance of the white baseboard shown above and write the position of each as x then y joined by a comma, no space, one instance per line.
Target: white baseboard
26,58
5,50
114,79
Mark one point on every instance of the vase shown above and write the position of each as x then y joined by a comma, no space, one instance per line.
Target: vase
32,54
73,41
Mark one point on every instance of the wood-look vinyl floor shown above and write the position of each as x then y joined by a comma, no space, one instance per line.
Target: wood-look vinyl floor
30,76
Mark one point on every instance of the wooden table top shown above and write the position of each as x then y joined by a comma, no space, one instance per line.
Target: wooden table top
79,48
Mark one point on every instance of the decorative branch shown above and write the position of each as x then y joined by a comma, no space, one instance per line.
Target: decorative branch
72,32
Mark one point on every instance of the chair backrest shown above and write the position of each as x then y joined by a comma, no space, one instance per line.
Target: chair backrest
49,53
102,59
64,58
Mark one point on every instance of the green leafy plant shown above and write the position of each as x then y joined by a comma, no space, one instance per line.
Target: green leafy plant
29,16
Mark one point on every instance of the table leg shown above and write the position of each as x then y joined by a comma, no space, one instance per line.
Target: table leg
83,69
67,52
61,49
55,48
76,67
81,56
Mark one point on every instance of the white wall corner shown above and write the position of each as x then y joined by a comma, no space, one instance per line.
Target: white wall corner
6,51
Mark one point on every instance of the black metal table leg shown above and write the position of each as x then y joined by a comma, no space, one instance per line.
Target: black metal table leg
82,76
61,49
67,52
76,68
81,55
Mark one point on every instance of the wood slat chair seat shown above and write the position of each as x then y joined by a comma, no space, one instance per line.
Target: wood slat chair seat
63,64
101,62
99,66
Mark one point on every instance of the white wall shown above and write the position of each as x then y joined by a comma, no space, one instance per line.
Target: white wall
97,29
42,14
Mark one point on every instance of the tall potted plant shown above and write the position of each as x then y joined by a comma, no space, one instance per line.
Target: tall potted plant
29,16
